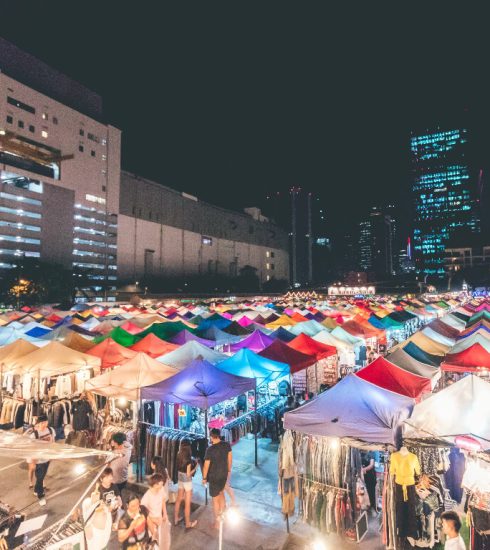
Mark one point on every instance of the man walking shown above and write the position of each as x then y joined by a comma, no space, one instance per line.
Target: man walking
120,465
42,432
216,471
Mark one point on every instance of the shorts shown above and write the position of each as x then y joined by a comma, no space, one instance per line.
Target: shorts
216,486
184,482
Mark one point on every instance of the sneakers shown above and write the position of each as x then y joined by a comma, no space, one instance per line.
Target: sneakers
42,502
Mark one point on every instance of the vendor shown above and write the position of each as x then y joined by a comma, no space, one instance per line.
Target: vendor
369,474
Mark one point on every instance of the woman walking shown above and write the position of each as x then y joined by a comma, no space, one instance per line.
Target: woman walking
155,501
186,468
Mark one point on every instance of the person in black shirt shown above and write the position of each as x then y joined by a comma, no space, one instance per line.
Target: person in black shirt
216,471
369,473
109,492
133,526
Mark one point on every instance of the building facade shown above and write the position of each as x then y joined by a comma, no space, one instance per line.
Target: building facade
59,172
165,233
445,187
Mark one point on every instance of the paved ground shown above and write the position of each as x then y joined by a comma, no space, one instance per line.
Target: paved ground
261,524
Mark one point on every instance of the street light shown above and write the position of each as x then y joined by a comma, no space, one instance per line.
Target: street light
233,518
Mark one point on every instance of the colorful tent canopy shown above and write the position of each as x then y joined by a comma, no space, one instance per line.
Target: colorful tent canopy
441,327
342,334
120,336
466,343
329,339
183,356
251,365
185,336
165,330
355,409
257,341
309,346
402,359
311,328
54,358
420,355
128,379
282,334
9,335
460,409
281,352
472,358
14,351
390,377
237,330
437,337
76,341
153,346
427,344
201,385
220,337
214,321
111,354
364,330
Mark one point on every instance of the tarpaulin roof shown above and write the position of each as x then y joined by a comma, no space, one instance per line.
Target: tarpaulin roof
437,337
428,344
76,341
328,338
120,336
14,351
311,328
468,359
13,445
251,365
184,355
353,408
153,346
127,380
281,352
460,409
405,361
9,335
282,334
185,336
130,327
214,321
445,329
417,353
53,359
220,337
164,330
390,377
482,328
364,330
466,343
201,385
305,344
282,321
257,341
329,323
237,330
111,354
342,334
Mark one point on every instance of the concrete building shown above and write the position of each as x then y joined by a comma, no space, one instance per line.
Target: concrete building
63,199
59,171
163,232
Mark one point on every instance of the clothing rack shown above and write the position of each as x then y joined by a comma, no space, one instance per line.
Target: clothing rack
175,431
322,484
243,417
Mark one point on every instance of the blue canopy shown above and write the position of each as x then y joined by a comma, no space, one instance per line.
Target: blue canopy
220,337
418,353
201,385
9,335
218,322
282,334
353,408
249,364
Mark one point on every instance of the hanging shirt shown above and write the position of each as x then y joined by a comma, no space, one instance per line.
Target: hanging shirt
404,467
456,543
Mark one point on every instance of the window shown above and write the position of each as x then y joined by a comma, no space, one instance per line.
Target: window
250,228
104,157
19,198
104,141
207,240
267,254
20,124
94,198
149,262
104,188
10,119
268,277
19,212
20,105
81,132
55,120
80,148
32,128
45,116
93,137
92,153
44,134
272,254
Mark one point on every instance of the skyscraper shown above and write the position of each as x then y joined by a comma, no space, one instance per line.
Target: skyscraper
445,186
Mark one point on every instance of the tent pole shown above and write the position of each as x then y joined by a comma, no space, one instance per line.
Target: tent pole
139,473
206,436
1,384
256,422
38,386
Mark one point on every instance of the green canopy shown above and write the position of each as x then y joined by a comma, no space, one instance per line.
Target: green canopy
164,330
120,336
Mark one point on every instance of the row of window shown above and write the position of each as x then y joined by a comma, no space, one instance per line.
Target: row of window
94,231
19,239
24,226
19,253
92,254
19,198
20,212
101,244
30,127
94,266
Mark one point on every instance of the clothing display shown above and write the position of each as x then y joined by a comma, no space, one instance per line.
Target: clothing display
404,466
12,413
165,442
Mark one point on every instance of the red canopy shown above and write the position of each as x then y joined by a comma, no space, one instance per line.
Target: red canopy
386,375
130,327
153,346
441,328
111,353
364,330
279,351
306,344
298,317
467,360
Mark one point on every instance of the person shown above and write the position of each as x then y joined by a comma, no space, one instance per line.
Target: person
155,501
31,469
109,493
132,530
369,475
120,465
97,522
216,471
41,432
186,468
158,466
451,525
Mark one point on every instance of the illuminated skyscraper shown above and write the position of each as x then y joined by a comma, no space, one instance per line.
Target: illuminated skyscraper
445,186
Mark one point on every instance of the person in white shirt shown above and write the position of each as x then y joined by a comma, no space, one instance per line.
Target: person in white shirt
451,525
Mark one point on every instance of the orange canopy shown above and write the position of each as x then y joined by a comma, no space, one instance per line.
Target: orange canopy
111,353
153,346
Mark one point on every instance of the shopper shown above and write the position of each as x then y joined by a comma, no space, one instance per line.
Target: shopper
217,468
451,525
120,465
369,475
133,526
109,493
186,468
155,501
42,432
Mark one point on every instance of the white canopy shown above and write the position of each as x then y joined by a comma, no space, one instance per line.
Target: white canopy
128,379
190,351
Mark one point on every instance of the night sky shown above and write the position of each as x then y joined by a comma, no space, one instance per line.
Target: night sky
226,100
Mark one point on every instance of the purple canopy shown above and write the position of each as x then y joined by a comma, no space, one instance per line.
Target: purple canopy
185,336
201,385
256,342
